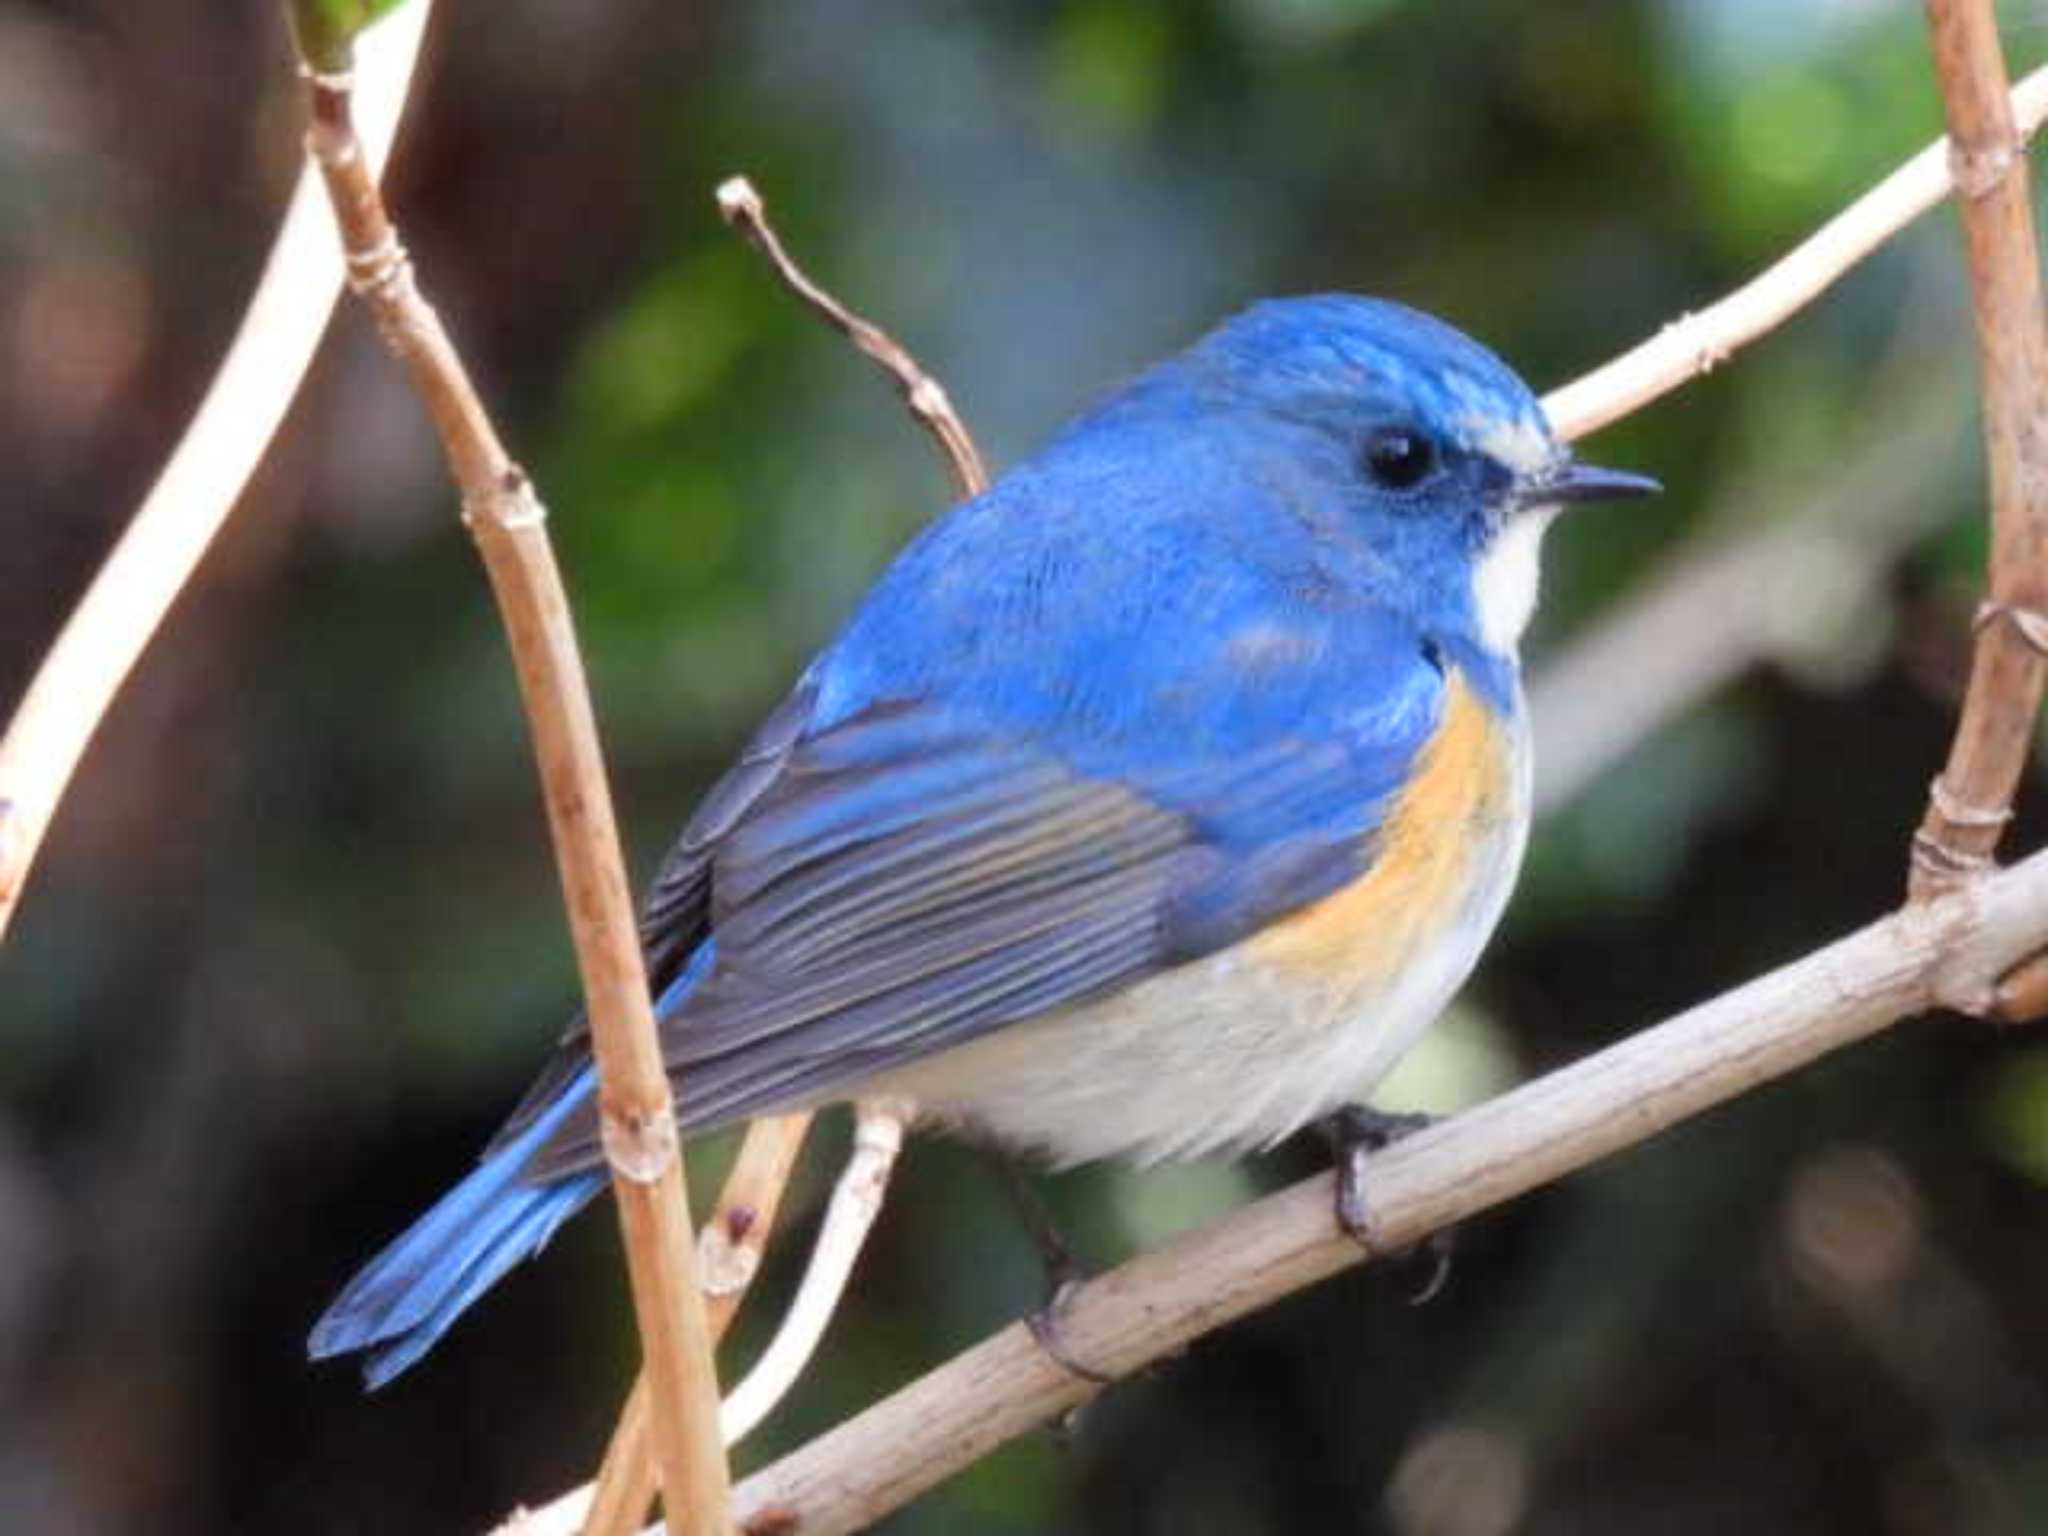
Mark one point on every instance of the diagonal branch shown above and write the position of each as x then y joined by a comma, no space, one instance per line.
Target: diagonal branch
1146,1309
509,524
1701,342
923,396
1970,803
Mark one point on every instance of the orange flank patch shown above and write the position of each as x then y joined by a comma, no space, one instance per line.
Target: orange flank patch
1353,940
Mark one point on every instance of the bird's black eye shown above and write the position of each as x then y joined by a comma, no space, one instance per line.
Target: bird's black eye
1399,458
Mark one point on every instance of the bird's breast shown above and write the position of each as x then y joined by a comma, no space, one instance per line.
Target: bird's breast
1434,850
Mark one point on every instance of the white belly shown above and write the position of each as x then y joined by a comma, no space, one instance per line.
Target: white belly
1229,1052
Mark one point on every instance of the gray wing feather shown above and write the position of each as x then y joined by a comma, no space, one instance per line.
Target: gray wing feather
871,906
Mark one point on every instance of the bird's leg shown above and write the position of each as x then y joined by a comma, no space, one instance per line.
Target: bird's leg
1355,1132
1063,1272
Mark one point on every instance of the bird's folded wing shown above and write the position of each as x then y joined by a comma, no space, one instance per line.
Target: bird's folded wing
900,883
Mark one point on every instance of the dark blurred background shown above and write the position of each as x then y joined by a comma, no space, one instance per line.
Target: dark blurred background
295,942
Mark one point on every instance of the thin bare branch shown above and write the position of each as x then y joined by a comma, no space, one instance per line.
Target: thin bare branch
729,1251
625,1481
634,1105
1970,803
255,385
1700,342
743,208
1135,1314
856,1202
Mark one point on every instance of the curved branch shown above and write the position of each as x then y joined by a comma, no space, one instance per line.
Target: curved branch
1153,1305
234,424
741,206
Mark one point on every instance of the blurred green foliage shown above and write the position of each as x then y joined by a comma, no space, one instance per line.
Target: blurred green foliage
326,30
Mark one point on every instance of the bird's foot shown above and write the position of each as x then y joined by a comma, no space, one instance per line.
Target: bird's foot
1355,1132
1045,1328
1063,1272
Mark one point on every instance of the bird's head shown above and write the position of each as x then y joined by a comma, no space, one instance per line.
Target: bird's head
1434,452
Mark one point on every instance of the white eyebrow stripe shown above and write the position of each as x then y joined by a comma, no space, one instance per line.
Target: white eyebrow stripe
1521,444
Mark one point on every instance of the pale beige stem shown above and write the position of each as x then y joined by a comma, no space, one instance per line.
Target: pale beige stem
1698,343
856,1202
172,529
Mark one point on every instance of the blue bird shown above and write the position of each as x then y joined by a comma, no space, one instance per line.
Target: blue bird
1151,804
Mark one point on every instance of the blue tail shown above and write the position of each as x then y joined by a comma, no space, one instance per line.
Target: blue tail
403,1300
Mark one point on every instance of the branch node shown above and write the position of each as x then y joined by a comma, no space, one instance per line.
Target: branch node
379,272
2029,623
1958,812
726,1262
1945,866
639,1145
337,82
510,505
928,398
738,200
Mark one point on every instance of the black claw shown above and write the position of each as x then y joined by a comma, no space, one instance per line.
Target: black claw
1063,1276
1045,1327
1355,1132
1055,1253
1354,1215
1437,1249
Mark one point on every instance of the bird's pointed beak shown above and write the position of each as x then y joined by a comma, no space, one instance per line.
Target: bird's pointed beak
1574,482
